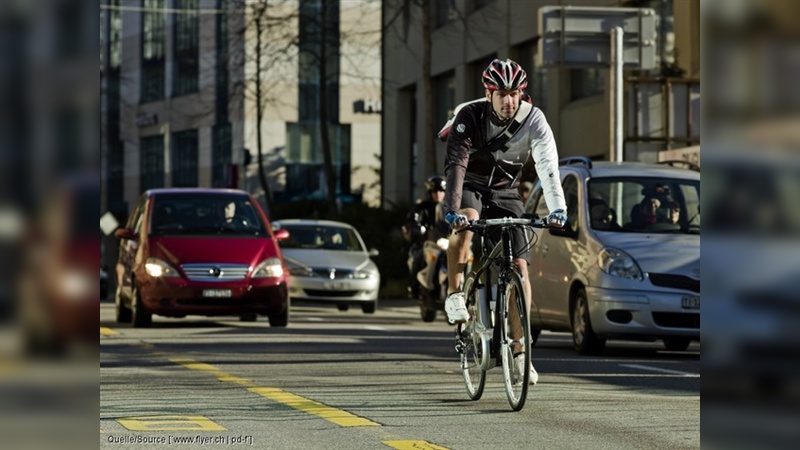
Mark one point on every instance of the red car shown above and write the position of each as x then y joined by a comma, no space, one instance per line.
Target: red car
200,251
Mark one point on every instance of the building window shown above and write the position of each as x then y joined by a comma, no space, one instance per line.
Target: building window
444,11
152,162
185,47
475,74
586,83
184,159
478,4
115,36
525,55
116,174
152,50
223,55
221,155
444,98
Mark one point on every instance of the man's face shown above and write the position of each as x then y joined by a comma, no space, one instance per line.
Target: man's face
504,102
230,210
437,196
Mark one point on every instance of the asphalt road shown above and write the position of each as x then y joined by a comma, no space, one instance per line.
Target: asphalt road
350,380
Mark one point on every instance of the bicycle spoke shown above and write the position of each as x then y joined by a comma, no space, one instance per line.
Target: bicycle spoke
515,345
471,354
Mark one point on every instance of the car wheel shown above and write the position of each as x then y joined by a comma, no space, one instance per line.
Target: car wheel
583,337
249,317
141,318
279,320
123,313
677,344
369,308
342,306
427,313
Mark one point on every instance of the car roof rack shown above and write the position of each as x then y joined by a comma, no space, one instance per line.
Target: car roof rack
679,162
575,160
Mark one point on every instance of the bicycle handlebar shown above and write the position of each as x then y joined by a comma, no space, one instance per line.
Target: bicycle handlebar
480,224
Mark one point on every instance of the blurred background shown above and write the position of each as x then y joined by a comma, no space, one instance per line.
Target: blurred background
49,197
751,247
50,201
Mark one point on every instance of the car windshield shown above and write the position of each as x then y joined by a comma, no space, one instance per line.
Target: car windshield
645,205
200,213
326,237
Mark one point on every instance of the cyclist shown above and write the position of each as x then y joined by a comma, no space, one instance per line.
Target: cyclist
425,221
484,175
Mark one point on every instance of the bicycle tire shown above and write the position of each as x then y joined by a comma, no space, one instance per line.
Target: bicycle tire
513,303
472,351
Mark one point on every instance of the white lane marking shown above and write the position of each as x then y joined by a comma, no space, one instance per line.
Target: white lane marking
658,369
621,375
375,328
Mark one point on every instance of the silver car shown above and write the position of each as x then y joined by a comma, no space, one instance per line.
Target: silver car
328,262
627,265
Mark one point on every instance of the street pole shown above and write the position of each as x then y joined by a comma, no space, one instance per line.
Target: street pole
617,60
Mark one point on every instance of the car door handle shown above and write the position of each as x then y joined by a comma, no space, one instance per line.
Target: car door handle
545,248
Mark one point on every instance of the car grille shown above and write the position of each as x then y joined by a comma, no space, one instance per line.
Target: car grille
677,320
320,293
337,275
216,272
675,281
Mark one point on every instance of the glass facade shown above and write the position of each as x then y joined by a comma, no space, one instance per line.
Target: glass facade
305,169
221,155
186,48
184,159
151,162
153,43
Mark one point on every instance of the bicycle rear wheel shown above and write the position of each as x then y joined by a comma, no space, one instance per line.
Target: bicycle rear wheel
515,341
472,351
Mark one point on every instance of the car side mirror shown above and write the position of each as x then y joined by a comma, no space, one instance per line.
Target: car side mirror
125,233
567,231
281,234
373,252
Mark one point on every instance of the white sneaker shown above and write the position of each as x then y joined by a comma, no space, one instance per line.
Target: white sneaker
456,308
519,366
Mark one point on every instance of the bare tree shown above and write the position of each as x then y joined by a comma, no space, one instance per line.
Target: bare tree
277,44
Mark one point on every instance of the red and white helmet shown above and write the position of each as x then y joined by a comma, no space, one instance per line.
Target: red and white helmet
506,75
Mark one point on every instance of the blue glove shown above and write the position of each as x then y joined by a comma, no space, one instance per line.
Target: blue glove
455,219
557,218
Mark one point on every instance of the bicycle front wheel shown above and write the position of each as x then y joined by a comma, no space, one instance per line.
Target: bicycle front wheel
515,341
472,348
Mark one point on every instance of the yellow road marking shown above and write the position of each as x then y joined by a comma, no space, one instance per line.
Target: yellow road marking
329,413
413,445
105,331
170,423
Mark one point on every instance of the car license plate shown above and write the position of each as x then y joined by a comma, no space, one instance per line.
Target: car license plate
690,302
336,286
217,293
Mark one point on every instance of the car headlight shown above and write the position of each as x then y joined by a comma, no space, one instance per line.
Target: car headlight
619,264
442,243
361,275
159,269
300,271
271,268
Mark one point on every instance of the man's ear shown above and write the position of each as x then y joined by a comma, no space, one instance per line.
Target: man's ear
488,95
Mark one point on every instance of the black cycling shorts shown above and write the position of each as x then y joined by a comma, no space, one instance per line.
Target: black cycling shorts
496,204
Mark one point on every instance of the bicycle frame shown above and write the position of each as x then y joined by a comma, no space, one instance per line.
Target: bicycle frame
497,258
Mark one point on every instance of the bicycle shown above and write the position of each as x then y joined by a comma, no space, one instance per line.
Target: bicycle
493,335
